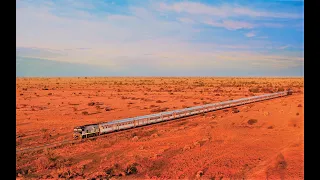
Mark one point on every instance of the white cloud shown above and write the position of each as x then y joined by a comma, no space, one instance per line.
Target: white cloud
284,47
250,34
230,25
273,25
224,15
185,20
222,11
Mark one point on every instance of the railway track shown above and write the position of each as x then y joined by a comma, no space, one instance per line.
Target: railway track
230,105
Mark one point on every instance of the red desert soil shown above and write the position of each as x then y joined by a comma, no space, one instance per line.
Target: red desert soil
263,140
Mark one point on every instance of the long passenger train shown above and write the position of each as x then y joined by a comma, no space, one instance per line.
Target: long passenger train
89,130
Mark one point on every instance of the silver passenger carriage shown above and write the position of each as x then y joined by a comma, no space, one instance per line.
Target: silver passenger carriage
106,127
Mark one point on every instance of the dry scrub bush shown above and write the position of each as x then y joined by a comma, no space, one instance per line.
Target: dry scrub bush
42,163
116,170
278,168
252,121
254,90
159,109
91,104
46,136
156,168
267,90
48,160
235,110
132,169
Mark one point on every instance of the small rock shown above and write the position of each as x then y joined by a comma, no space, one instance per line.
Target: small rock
235,111
199,174
205,139
155,135
197,144
186,147
135,138
122,174
107,109
266,113
155,156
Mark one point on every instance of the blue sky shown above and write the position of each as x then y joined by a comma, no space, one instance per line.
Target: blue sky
160,38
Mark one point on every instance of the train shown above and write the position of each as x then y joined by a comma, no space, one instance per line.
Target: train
89,130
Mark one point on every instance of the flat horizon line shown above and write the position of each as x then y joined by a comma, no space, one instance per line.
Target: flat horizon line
159,76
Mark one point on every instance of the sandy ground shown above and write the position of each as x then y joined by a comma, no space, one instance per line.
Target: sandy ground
217,145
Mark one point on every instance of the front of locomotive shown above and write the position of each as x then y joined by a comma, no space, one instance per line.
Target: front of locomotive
77,132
